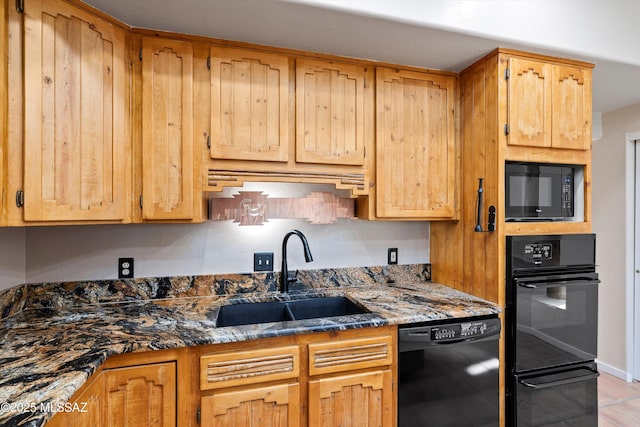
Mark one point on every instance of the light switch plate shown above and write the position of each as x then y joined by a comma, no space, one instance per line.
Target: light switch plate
392,256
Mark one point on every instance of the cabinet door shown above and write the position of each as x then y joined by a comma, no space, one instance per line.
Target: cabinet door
529,103
363,399
415,159
75,127
571,121
167,129
329,113
266,406
249,105
141,396
88,408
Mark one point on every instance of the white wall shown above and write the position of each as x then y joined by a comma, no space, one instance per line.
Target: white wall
91,252
612,167
12,257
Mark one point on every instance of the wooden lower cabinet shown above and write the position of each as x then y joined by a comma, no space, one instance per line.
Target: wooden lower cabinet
261,406
135,396
363,399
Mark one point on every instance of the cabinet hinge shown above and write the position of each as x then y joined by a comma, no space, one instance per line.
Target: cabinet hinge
140,54
506,129
209,142
20,6
507,74
19,198
198,416
140,202
208,62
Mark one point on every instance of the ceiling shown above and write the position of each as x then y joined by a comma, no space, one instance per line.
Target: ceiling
437,34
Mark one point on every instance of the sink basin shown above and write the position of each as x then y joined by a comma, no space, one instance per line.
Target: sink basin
251,313
279,311
314,308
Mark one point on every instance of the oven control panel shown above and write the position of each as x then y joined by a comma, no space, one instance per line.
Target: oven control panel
538,252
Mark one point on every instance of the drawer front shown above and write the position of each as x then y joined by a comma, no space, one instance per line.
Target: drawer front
346,355
248,367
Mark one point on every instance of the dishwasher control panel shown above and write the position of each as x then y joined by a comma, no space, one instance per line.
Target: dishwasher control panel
457,331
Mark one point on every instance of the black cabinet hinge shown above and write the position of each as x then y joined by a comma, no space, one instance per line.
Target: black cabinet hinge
20,6
19,198
140,202
507,74
506,129
198,416
140,54
209,62
209,142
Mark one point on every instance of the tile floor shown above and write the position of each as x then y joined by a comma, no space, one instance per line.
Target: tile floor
618,401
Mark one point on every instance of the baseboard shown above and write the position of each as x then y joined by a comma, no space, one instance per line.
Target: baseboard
626,376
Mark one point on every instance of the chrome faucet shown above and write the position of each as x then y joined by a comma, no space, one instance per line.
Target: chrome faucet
285,278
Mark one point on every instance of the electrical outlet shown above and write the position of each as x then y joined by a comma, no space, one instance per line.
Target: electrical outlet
392,256
263,261
125,268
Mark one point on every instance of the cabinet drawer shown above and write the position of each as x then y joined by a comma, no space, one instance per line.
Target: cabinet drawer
338,356
248,367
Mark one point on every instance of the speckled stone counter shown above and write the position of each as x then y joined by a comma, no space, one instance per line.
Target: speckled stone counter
47,353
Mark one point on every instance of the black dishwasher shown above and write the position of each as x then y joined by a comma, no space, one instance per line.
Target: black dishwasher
448,373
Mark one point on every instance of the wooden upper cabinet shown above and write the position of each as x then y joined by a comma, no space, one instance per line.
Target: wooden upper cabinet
167,129
249,105
415,140
529,103
75,133
329,112
548,105
571,123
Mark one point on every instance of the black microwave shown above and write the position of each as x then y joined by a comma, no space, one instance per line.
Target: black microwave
538,191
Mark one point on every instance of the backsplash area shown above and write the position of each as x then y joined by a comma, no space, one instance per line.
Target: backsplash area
70,253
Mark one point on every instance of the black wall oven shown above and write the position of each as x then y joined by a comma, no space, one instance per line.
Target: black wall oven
551,322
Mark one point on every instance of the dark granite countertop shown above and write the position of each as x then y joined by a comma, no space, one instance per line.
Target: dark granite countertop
47,354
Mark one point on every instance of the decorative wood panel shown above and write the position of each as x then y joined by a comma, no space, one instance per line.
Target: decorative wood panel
249,367
353,400
256,208
416,151
268,406
338,356
329,112
141,396
167,129
571,122
529,103
249,105
75,126
90,405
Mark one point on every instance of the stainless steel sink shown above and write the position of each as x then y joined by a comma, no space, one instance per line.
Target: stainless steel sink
280,311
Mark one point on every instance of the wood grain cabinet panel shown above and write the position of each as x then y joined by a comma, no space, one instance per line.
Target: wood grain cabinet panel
416,149
572,108
90,409
363,399
75,128
249,105
529,103
167,129
263,406
141,396
329,112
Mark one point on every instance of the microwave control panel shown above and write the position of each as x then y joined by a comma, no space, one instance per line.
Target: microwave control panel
567,193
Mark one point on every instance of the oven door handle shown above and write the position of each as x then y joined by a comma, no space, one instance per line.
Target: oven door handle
534,284
591,375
